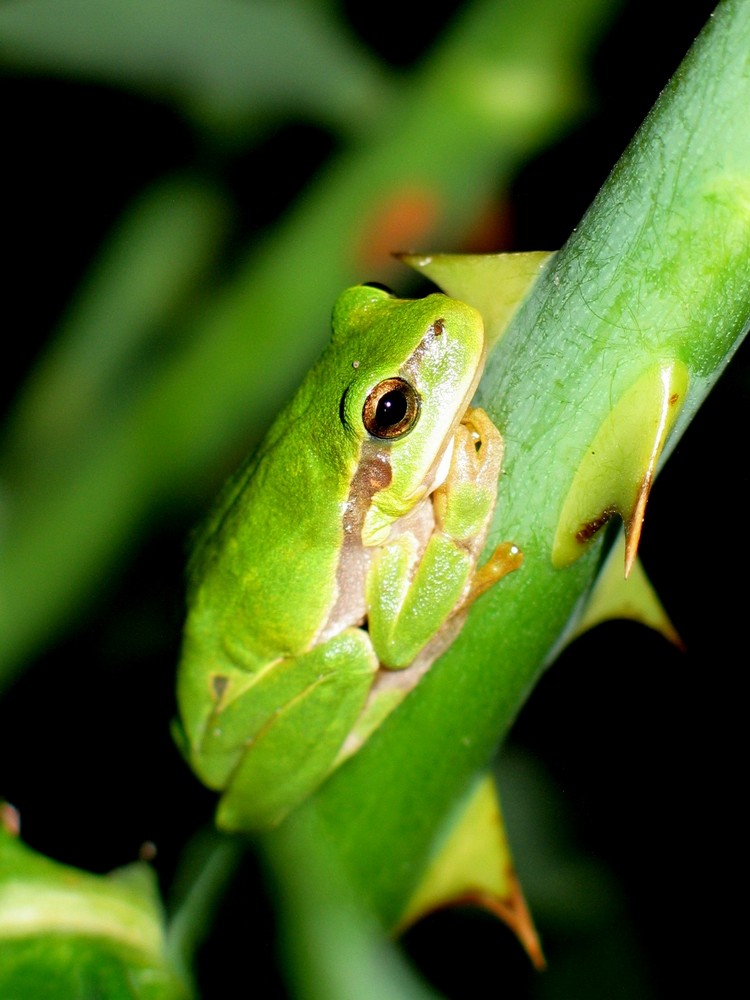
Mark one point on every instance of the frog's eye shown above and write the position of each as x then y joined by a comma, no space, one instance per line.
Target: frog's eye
391,409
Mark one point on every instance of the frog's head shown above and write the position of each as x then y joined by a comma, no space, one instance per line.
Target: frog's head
412,368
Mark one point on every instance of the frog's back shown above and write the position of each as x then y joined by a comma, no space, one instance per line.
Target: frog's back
263,575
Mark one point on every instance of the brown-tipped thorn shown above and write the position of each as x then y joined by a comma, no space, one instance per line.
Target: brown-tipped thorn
634,523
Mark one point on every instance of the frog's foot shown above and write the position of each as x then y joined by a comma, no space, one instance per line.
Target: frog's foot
506,558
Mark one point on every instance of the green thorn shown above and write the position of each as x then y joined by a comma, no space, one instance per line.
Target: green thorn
617,469
473,865
496,284
635,598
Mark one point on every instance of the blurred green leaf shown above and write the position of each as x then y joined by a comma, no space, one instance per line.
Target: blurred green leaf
226,64
207,865
68,935
117,329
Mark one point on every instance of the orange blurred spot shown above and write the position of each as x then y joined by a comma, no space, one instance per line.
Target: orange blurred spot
400,223
492,231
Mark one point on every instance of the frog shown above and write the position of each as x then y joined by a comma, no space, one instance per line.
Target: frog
342,558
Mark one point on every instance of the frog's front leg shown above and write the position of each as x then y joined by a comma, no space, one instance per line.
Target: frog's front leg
413,589
478,454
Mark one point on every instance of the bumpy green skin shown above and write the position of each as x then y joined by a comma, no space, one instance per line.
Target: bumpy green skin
276,669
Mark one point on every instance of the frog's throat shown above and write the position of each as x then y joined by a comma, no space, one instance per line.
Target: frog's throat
372,477
444,464
386,507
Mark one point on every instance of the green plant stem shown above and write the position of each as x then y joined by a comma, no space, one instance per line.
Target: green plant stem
658,270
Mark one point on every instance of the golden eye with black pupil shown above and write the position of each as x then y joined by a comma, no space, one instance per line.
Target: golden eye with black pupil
391,409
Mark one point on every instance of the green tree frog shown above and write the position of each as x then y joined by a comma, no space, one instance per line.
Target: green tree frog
341,560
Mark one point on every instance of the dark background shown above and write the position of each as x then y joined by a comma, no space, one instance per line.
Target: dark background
640,741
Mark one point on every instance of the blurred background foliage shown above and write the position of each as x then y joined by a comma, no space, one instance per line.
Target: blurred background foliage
186,187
